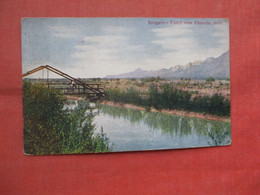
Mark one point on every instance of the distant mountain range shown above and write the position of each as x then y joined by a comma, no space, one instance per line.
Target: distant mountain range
211,67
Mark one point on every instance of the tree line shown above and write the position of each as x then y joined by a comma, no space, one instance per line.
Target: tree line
171,98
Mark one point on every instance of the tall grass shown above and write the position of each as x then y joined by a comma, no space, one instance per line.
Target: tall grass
171,98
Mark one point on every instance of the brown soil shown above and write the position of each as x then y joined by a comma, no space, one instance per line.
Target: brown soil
73,97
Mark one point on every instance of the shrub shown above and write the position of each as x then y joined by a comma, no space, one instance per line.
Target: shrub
171,98
49,128
210,79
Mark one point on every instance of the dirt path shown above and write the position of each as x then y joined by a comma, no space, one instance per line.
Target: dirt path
74,97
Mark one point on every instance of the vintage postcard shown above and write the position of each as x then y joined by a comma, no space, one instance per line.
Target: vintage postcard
94,85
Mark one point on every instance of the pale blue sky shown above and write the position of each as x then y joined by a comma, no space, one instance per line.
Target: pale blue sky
96,47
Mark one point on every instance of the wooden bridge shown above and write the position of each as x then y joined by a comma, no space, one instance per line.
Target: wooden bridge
93,91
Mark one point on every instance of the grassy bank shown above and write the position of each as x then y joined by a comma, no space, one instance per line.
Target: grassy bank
172,112
170,98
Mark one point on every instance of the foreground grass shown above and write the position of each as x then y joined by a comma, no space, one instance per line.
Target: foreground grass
49,128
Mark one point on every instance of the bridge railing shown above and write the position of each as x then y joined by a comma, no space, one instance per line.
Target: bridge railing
75,86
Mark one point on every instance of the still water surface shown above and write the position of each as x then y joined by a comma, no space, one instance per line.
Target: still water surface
131,130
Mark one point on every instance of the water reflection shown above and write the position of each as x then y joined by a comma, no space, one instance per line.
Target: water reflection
214,132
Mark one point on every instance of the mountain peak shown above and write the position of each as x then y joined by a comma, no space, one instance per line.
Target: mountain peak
211,67
175,68
209,59
138,70
195,63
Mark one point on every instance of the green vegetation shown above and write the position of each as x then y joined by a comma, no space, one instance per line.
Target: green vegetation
152,79
219,136
215,104
171,98
51,128
130,95
210,79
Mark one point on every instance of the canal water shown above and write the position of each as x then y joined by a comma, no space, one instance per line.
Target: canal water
132,129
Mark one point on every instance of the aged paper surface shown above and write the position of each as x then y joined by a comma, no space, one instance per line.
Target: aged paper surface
124,84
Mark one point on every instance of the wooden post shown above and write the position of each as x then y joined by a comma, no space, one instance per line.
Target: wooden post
48,79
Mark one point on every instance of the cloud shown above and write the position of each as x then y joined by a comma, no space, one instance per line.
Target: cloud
110,53
222,36
113,52
172,31
115,30
86,49
176,44
64,31
182,44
